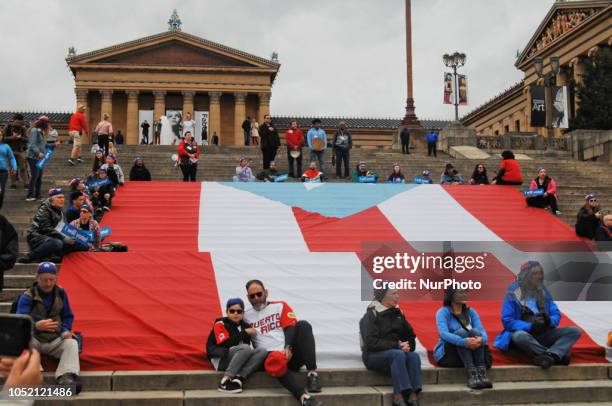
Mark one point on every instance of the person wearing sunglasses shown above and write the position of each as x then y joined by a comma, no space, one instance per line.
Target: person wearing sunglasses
479,176
589,217
279,331
86,223
229,349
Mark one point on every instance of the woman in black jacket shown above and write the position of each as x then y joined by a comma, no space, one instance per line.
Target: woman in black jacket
589,217
388,343
228,348
139,171
479,176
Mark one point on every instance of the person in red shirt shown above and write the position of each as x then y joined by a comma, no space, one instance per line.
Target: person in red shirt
77,128
312,174
509,171
188,157
294,138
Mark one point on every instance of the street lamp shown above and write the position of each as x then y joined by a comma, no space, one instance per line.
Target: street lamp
549,81
456,60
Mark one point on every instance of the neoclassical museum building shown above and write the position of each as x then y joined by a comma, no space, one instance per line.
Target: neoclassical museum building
173,71
572,31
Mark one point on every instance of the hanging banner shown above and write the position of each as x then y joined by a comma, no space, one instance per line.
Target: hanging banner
463,90
449,89
538,106
175,118
560,112
201,119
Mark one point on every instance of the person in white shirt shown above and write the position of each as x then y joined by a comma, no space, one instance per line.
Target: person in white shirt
278,330
188,125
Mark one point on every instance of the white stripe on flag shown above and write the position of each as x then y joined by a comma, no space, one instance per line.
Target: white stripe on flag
428,213
232,219
322,288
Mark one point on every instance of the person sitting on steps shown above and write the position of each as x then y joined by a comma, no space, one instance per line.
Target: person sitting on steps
549,199
463,339
229,349
531,320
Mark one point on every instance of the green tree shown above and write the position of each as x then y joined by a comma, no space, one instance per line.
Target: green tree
595,93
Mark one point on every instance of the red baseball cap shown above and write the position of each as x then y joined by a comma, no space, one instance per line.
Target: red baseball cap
276,364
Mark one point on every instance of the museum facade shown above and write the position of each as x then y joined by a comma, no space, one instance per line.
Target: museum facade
173,71
573,31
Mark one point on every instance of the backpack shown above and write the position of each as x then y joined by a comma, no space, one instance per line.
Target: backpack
16,301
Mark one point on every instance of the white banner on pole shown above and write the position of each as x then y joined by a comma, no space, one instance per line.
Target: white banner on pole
201,119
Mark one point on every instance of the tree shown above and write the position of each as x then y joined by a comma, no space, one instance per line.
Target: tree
595,93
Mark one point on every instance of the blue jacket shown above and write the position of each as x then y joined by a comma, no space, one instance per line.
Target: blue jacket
314,132
432,136
6,152
24,306
447,325
36,143
511,315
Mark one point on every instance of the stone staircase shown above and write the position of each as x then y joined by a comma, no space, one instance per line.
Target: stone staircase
576,384
516,385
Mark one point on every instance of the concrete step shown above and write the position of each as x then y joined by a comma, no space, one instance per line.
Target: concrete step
18,281
10,294
5,307
563,392
26,269
125,381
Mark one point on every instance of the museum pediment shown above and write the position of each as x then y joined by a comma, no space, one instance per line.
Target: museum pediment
171,49
561,21
171,53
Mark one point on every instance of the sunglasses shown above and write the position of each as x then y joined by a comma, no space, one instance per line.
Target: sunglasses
256,295
235,311
592,200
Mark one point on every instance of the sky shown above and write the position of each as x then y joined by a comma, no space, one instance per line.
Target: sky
339,57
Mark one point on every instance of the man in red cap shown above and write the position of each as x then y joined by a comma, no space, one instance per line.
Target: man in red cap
286,338
77,128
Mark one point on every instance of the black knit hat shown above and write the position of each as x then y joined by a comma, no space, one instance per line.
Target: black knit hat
379,294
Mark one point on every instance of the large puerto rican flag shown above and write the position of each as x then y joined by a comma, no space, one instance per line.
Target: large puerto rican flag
192,246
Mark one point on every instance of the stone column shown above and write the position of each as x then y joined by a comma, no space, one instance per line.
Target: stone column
215,116
159,106
81,100
239,116
264,106
577,65
131,132
106,107
188,103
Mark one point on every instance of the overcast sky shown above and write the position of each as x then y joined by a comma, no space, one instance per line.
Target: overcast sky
339,57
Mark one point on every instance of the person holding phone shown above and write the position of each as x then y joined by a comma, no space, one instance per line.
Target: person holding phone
229,348
48,306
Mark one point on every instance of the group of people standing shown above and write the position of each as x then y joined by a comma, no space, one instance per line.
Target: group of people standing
24,151
315,141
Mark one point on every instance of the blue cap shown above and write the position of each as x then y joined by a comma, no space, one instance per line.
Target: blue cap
55,192
47,267
589,196
234,301
86,207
